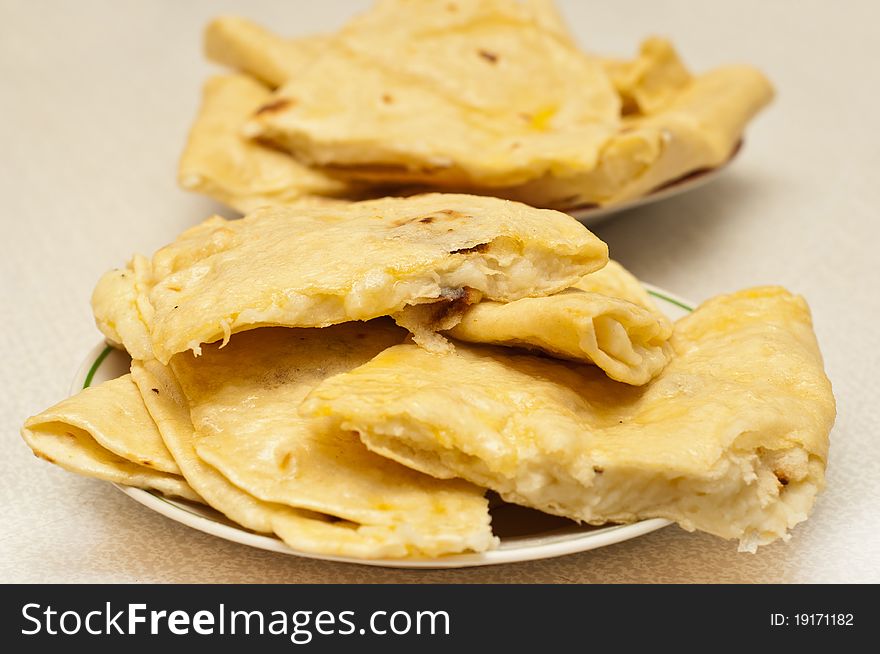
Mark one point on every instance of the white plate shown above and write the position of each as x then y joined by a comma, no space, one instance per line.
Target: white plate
594,215
525,534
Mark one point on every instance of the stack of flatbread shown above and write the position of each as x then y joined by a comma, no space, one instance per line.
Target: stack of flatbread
479,96
353,378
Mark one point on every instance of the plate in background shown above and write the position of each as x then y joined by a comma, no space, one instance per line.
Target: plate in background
594,215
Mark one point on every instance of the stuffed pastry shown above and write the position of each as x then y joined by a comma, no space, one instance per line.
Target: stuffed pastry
221,163
314,266
230,419
606,319
731,438
485,94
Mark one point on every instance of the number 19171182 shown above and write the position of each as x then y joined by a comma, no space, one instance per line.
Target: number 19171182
812,620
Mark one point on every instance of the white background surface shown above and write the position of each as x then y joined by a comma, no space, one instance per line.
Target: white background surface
96,100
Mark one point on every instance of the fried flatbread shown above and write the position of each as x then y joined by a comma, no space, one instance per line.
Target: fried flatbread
445,98
121,309
230,419
699,127
731,438
221,163
105,432
479,93
245,46
605,319
314,266
651,80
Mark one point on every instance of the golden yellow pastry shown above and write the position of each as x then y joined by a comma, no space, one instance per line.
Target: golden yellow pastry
650,81
220,162
699,128
494,98
229,417
606,319
245,46
731,438
483,97
481,94
105,432
314,266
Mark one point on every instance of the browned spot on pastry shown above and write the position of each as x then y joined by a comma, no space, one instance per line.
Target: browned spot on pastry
782,477
629,106
453,295
462,299
491,57
598,470
452,213
482,247
275,105
387,98
451,7
406,221
451,304
155,390
430,218
454,300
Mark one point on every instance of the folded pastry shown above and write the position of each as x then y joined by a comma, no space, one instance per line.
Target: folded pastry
650,81
606,319
731,438
245,46
478,97
219,162
122,309
230,419
698,128
448,99
313,266
105,432
484,94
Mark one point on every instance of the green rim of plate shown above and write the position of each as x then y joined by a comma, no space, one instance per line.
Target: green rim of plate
678,303
97,364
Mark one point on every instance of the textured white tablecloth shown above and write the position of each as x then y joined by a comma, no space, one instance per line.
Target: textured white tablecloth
97,97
